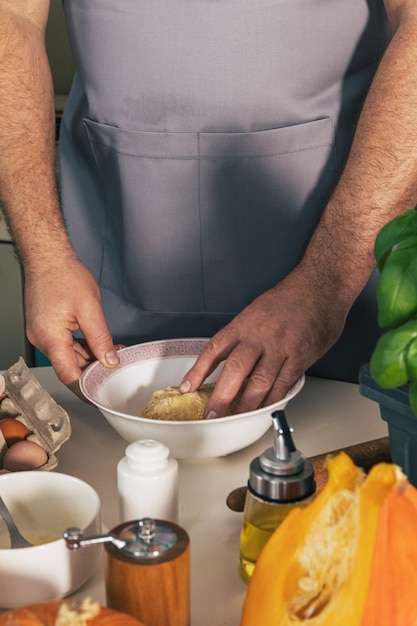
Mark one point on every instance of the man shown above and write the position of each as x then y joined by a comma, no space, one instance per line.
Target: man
201,142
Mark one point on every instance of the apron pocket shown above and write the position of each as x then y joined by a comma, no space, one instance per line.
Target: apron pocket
261,196
205,222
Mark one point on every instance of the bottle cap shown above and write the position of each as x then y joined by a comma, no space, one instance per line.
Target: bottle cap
282,473
147,454
147,538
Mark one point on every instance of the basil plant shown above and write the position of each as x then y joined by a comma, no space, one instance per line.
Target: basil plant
394,360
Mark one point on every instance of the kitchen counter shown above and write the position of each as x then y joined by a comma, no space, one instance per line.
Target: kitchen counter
326,415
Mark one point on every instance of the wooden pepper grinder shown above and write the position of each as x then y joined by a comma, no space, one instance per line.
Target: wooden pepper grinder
147,570
149,578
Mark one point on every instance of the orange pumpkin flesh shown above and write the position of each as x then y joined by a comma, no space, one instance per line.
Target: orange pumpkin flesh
392,598
316,568
45,614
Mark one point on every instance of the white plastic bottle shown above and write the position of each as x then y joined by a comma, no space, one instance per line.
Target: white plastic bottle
147,481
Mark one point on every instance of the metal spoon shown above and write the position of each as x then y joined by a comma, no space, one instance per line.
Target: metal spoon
16,539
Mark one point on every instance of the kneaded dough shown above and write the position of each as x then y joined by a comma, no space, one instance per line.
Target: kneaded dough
169,404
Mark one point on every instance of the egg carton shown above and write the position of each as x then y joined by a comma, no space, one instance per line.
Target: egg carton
25,400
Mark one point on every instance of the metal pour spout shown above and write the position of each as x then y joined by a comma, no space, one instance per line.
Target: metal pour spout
283,459
284,443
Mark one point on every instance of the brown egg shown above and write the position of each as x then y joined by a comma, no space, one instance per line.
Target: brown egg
24,455
13,430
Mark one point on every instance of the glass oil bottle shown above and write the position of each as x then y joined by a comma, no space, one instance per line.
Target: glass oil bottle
279,480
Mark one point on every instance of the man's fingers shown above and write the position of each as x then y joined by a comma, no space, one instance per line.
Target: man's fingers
213,354
239,364
98,338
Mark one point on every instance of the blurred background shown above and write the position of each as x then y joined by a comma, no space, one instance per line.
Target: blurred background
59,51
13,343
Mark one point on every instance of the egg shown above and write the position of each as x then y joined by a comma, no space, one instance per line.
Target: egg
24,455
13,430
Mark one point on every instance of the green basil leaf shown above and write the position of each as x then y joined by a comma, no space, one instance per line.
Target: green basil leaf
398,229
388,364
411,360
397,285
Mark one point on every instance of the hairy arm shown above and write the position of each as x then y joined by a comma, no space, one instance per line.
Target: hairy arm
27,142
380,178
60,294
274,346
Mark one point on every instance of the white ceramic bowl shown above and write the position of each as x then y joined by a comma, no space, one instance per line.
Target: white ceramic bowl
120,394
43,505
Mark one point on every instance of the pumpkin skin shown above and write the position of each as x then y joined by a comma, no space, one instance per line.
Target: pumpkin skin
316,568
45,614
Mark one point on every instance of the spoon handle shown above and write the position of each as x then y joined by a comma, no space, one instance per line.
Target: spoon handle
16,539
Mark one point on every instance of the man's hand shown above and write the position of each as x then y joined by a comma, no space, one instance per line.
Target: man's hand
272,342
59,301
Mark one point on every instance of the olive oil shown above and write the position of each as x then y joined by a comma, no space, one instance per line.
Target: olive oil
260,519
252,540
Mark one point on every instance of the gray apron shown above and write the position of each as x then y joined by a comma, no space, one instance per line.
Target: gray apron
200,143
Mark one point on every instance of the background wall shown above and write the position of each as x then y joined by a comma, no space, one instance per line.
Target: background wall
59,51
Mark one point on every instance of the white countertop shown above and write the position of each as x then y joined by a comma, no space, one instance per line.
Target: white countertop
326,415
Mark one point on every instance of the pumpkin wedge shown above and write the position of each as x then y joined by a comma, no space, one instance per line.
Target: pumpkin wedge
316,568
66,613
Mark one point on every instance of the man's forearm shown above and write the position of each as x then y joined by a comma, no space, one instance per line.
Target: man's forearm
28,187
380,178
